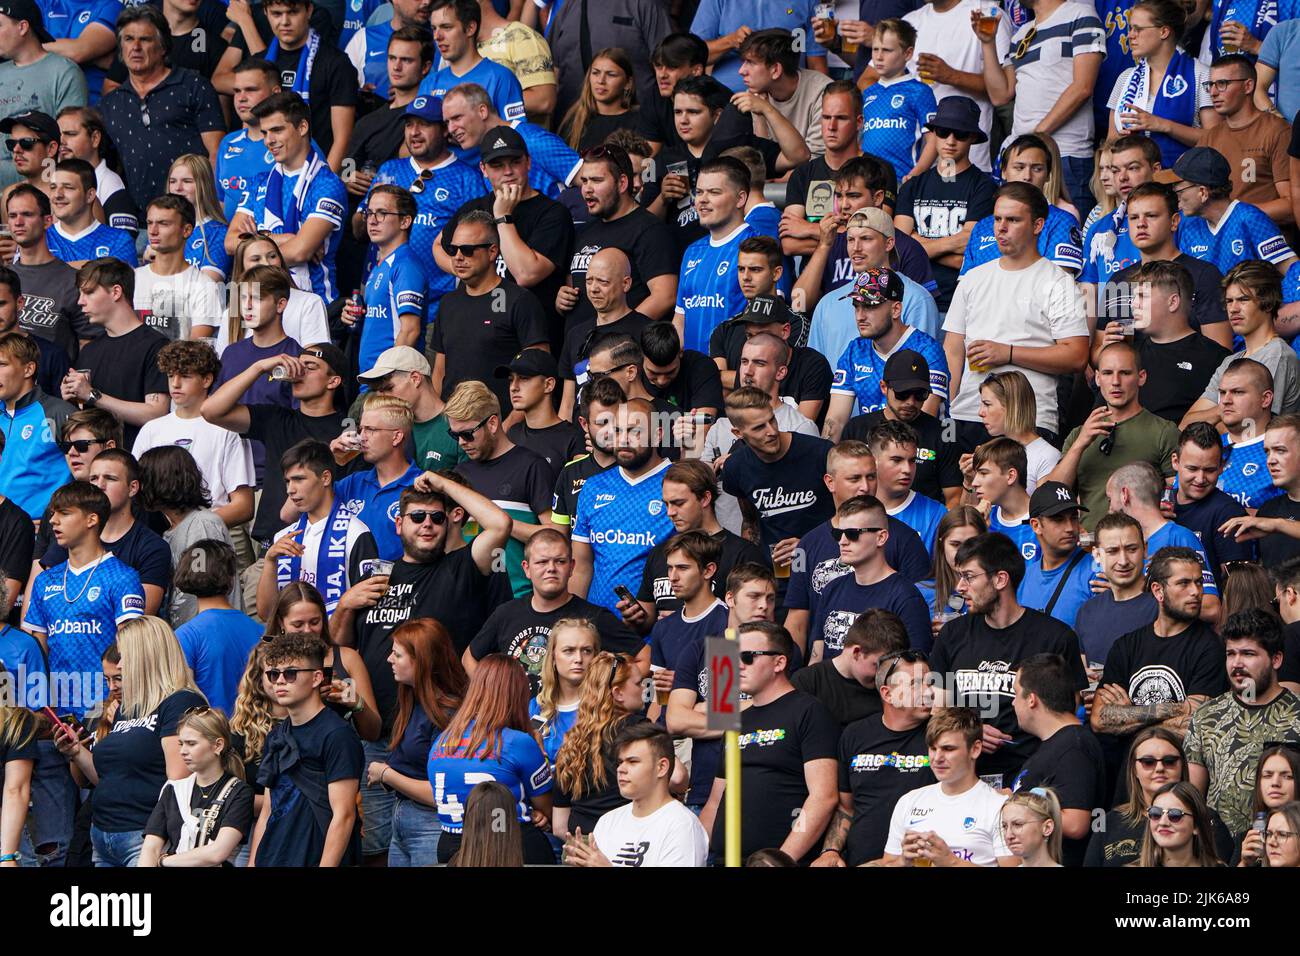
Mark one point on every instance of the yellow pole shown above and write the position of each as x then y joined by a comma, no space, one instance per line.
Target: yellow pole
732,794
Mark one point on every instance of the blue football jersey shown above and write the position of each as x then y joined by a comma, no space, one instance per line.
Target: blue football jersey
501,85
206,247
922,515
1114,17
1060,241
1173,534
1107,249
77,612
622,520
355,15
68,19
1245,232
368,51
326,198
241,162
95,243
396,288
708,292
1019,532
1245,474
518,764
894,114
1291,284
861,369
553,162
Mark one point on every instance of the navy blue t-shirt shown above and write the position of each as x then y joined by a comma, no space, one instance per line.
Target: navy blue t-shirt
672,634
821,564
139,548
1204,518
691,672
411,755
132,767
1101,621
844,599
790,495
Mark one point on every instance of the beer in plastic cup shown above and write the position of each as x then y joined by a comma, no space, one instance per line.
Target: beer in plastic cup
987,25
780,570
661,696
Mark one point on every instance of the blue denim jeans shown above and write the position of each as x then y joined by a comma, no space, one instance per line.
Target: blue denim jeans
54,805
116,849
416,831
376,804
1076,171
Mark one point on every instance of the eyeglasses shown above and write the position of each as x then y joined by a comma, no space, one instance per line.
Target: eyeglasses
889,662
26,143
417,187
913,395
853,534
594,376
747,657
371,429
82,445
1173,813
380,214
970,576
439,518
467,249
942,132
1168,760
1279,836
290,674
1220,85
467,434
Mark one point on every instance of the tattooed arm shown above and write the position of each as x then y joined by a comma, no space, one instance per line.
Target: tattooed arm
837,834
1114,713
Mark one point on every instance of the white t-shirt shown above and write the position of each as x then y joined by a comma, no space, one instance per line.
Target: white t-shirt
948,36
311,542
304,321
107,182
970,823
1042,458
671,836
223,457
1031,307
1046,69
173,305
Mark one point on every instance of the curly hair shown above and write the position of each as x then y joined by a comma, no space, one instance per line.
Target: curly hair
580,764
187,357
293,647
254,712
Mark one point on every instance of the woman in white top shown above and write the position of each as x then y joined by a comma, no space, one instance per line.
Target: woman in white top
304,317
191,177
1163,95
1008,407
1031,827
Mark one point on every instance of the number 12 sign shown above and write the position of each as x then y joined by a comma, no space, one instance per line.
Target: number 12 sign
724,683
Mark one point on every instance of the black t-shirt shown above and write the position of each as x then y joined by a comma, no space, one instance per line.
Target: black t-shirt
1207,294
649,247
477,333
980,664
790,495
654,577
1177,372
600,125
581,336
546,227
1071,762
125,367
450,589
517,630
50,310
279,429
1290,671
559,444
17,540
1276,548
808,375
51,367
655,122
1118,842
697,384
879,766
376,138
776,741
1204,518
816,172
564,502
844,697
940,205
936,459
236,811
1156,670
132,767
595,802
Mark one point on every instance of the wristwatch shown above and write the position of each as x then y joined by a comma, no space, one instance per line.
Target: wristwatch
504,220
95,396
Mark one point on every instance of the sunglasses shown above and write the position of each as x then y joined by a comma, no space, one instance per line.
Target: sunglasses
27,143
594,376
467,249
417,187
748,657
1108,443
942,132
439,518
82,445
290,674
913,395
467,434
885,666
197,711
613,671
1169,760
1173,813
853,534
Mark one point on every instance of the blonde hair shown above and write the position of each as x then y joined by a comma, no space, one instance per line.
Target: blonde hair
254,717
1106,201
472,401
1015,393
206,206
212,725
1042,803
546,697
153,666
580,764
17,727
235,318
398,410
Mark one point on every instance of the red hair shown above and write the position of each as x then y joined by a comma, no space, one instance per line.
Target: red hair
440,680
497,700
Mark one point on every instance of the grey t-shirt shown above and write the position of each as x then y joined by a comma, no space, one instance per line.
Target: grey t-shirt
193,528
48,85
50,309
1280,359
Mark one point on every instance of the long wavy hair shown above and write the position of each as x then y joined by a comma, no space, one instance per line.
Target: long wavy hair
550,690
580,764
206,206
496,701
945,578
574,125
153,664
254,715
234,318
212,725
17,727
491,835
440,680
1202,835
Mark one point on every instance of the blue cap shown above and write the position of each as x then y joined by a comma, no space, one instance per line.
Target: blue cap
427,108
1201,166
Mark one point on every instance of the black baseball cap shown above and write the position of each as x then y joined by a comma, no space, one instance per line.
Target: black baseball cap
764,309
907,370
1200,166
27,10
331,355
1053,498
500,142
43,123
529,363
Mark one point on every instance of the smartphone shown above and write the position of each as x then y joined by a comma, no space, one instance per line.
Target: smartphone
77,726
624,594
329,673
71,732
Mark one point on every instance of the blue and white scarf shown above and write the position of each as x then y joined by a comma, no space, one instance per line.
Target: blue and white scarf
291,220
331,556
1175,100
306,60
